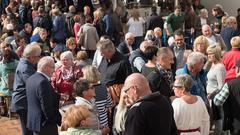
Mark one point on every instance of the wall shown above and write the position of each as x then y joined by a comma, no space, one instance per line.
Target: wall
230,6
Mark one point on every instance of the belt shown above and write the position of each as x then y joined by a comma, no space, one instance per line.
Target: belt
188,130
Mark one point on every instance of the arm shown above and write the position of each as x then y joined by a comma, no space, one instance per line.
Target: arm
221,97
138,63
221,73
45,96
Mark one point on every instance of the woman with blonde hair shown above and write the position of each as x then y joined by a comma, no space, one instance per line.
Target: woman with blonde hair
136,26
190,112
120,115
103,99
215,77
79,120
201,44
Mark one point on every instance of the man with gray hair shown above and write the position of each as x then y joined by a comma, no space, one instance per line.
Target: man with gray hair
114,68
26,67
194,67
230,31
127,46
43,102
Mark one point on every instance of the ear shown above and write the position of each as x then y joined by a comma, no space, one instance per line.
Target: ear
83,123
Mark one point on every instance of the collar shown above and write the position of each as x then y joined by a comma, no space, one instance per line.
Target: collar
44,75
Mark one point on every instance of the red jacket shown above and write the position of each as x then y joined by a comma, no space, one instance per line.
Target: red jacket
65,86
229,61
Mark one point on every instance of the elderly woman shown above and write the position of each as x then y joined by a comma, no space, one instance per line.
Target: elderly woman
103,99
190,112
79,120
201,44
215,76
64,78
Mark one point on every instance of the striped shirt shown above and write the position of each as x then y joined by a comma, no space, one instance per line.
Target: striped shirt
103,103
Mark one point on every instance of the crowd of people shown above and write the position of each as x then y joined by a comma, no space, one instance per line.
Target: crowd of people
73,68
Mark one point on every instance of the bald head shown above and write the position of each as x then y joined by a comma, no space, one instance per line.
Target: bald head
144,45
137,79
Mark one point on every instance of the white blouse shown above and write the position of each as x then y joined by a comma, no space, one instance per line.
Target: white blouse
136,27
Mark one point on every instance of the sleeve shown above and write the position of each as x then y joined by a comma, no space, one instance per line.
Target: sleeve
76,29
45,97
129,22
26,74
221,97
221,73
138,63
109,101
204,129
222,43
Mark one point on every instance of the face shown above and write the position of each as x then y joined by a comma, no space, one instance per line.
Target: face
179,40
35,59
130,40
203,14
22,42
201,48
72,46
5,47
50,69
130,96
197,67
233,24
52,45
43,35
178,11
211,57
29,29
91,92
158,33
178,90
167,61
66,62
206,31
214,12
86,10
106,53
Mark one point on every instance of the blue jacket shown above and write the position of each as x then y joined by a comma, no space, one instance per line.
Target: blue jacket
19,98
43,103
59,29
197,88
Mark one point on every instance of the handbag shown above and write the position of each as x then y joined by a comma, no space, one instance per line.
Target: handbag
81,37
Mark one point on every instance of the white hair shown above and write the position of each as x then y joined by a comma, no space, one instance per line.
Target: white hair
44,61
67,54
129,35
194,58
32,49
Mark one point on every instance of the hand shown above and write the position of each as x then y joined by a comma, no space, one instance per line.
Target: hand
105,130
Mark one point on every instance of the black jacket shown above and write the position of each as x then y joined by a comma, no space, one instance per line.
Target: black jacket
151,115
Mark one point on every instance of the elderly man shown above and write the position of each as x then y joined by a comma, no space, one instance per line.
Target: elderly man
194,67
213,38
25,68
149,113
161,79
127,46
137,58
43,102
114,68
229,97
230,31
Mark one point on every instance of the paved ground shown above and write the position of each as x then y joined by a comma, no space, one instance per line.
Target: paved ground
10,126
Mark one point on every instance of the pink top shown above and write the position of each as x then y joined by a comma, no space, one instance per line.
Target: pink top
76,28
